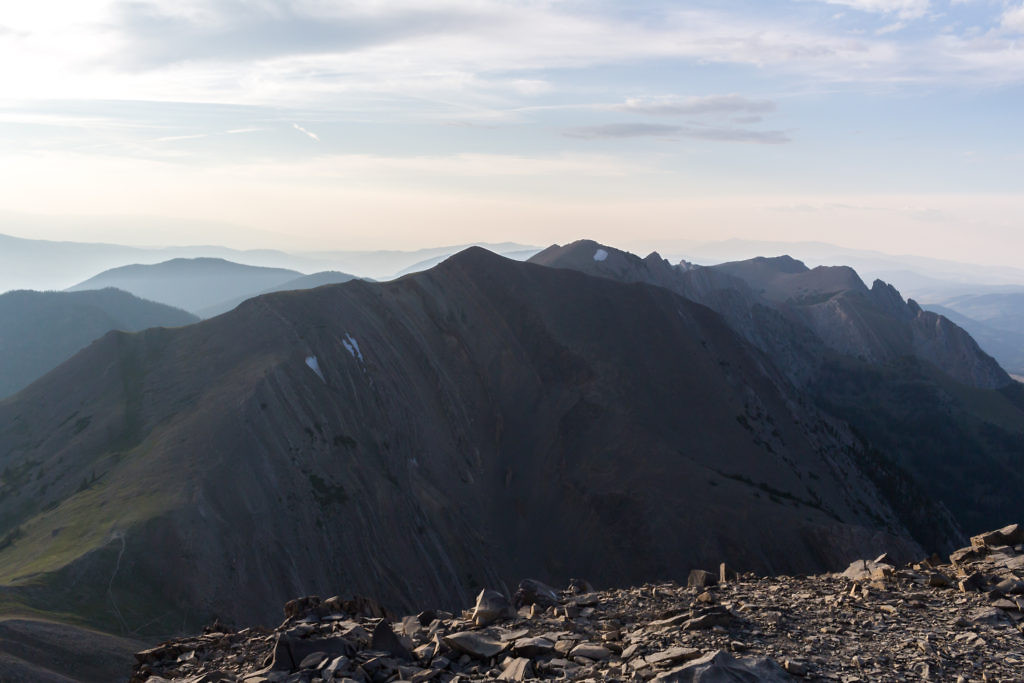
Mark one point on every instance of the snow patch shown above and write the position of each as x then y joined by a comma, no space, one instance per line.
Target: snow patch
352,346
600,255
314,365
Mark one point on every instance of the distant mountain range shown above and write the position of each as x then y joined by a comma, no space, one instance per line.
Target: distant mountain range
191,284
1006,344
48,265
40,330
922,278
204,286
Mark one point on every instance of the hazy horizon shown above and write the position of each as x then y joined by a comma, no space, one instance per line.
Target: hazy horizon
872,124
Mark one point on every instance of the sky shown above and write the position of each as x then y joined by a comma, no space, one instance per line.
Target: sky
304,124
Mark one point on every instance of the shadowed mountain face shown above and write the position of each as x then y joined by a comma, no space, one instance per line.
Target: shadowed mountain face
415,440
875,325
910,382
793,347
832,303
40,330
194,284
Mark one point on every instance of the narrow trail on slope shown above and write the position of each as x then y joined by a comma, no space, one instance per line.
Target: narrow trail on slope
110,586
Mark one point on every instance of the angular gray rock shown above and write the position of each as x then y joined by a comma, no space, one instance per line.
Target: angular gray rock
490,606
478,645
721,667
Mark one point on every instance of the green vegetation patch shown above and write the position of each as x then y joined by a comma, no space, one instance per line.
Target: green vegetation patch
82,523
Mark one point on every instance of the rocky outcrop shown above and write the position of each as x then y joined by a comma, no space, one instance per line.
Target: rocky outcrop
797,314
930,620
41,330
875,324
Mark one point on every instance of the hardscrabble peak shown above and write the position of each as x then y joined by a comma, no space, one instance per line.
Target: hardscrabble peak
959,620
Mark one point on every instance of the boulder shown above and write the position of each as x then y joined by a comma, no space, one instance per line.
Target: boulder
518,669
300,607
987,615
974,582
591,651
1008,535
384,639
672,655
1010,587
709,618
490,606
290,653
700,579
533,592
866,570
958,557
533,647
721,667
475,644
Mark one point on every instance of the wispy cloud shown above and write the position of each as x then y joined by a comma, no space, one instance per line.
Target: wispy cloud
475,55
891,28
160,33
310,134
910,9
623,130
178,138
707,104
715,134
428,168
1013,18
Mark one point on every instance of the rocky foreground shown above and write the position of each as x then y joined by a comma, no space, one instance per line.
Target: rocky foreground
956,621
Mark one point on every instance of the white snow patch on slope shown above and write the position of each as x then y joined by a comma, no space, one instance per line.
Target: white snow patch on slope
600,255
314,365
352,346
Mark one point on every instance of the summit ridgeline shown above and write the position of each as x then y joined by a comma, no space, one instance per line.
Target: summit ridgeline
929,620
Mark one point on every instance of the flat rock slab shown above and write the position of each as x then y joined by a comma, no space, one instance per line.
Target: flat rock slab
533,647
673,655
476,645
518,669
591,651
289,653
721,667
384,639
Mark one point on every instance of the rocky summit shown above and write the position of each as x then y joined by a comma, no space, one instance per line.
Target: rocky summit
961,620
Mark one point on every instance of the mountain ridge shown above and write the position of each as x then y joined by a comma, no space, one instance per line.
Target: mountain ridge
911,384
40,330
420,418
189,283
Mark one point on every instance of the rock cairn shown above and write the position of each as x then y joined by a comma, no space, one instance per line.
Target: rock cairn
931,620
